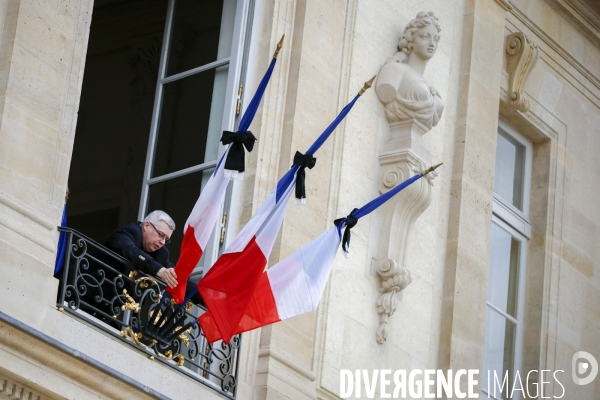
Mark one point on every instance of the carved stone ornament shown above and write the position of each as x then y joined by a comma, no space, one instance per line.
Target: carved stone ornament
521,55
400,86
12,389
386,304
412,107
404,157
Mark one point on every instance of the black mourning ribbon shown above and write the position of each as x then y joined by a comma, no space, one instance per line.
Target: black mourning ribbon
304,161
236,156
351,220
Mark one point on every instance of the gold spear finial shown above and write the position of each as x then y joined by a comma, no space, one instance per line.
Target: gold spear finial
279,45
428,170
367,85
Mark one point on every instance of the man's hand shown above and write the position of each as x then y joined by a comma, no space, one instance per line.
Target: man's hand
168,275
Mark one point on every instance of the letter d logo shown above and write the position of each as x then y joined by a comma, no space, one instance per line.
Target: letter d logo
581,367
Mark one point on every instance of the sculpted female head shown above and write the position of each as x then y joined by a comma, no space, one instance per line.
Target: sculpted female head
421,35
400,86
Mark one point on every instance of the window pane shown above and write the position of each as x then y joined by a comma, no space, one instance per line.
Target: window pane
510,170
190,121
498,355
201,33
177,197
504,269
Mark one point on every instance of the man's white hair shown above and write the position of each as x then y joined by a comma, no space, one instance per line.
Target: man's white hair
157,215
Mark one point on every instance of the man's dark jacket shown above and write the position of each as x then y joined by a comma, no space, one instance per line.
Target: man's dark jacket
126,241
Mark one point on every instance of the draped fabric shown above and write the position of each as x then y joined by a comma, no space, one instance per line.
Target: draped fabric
198,228
62,244
206,211
236,157
420,102
294,285
228,287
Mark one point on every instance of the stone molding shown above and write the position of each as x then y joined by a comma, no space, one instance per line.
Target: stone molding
405,157
26,211
505,4
268,351
581,18
20,342
280,370
11,389
17,220
521,56
563,56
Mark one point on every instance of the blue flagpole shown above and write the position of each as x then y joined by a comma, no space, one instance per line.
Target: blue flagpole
285,181
371,206
250,111
378,201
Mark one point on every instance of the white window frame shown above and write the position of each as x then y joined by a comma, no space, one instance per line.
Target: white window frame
516,223
240,38
502,207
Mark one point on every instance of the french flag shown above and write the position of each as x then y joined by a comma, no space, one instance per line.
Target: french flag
198,228
205,213
230,283
295,285
291,287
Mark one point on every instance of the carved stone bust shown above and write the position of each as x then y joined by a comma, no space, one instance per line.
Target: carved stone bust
400,86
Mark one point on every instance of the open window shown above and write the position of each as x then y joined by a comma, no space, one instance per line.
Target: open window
160,85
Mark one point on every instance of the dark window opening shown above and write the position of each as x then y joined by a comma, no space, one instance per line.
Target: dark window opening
117,105
115,110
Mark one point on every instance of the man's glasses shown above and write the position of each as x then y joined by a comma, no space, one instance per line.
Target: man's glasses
161,234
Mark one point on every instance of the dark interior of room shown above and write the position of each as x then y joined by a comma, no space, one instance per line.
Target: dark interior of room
115,113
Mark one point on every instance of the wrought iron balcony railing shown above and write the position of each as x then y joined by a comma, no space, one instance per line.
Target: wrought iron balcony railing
106,291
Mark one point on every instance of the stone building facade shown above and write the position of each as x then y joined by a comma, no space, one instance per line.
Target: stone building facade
427,285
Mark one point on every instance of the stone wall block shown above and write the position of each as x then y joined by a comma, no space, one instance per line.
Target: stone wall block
47,34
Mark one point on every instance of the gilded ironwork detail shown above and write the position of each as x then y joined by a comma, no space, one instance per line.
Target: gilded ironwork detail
145,281
135,336
128,305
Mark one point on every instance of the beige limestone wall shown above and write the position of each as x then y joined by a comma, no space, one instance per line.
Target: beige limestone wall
564,88
43,48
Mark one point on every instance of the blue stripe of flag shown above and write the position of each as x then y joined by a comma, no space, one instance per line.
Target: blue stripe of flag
62,244
287,179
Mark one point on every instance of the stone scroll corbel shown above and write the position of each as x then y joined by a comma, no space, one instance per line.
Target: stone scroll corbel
521,55
399,215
